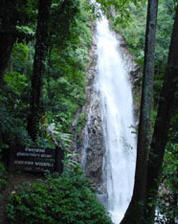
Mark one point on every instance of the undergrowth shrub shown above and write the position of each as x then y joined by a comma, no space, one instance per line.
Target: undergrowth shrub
67,199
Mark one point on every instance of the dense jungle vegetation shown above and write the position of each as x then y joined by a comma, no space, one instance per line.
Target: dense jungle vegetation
47,121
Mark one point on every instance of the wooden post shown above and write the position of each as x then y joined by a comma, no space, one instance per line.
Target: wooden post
59,165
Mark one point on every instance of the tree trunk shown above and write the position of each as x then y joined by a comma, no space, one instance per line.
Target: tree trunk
159,139
135,211
8,21
38,68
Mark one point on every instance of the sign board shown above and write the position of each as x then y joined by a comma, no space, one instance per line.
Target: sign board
35,159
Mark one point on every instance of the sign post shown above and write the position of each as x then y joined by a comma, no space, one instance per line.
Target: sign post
36,159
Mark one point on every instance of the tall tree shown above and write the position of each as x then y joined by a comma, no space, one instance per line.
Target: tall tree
14,14
38,67
159,139
8,22
135,211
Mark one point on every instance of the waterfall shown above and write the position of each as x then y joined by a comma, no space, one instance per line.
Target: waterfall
118,121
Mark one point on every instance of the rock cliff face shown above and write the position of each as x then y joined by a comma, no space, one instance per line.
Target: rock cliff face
93,144
90,141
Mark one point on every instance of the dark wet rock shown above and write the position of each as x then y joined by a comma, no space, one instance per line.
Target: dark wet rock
89,144
123,45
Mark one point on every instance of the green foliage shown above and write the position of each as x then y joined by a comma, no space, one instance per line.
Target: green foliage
134,31
121,7
17,82
52,133
135,40
20,58
63,81
25,29
81,122
12,129
163,34
67,199
170,168
168,196
3,178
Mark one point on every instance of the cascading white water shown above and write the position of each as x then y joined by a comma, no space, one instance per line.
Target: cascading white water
116,93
